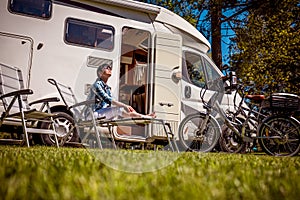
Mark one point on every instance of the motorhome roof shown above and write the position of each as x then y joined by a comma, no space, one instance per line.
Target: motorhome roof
129,4
162,15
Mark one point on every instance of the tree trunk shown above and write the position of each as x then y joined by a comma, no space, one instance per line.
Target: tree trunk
216,13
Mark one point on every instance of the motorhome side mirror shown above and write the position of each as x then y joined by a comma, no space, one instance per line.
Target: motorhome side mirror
176,76
233,79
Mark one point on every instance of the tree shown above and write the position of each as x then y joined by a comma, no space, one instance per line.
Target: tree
209,17
267,47
215,8
189,10
266,37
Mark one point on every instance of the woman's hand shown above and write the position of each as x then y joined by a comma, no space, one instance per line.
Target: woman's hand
128,108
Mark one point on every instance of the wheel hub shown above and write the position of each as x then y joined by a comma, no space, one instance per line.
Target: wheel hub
61,131
198,136
282,140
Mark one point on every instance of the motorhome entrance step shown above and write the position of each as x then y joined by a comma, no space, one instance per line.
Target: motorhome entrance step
10,141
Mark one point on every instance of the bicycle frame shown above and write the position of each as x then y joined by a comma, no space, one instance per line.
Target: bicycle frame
245,112
209,107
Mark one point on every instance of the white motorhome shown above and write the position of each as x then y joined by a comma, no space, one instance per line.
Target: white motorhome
159,60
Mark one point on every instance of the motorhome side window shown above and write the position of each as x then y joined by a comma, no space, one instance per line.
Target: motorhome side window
89,34
194,69
35,8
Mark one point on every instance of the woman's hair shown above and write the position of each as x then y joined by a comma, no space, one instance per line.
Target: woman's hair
101,67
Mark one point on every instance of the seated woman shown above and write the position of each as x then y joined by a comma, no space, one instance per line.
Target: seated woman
101,92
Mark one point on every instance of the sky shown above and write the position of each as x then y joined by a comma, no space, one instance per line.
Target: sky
227,32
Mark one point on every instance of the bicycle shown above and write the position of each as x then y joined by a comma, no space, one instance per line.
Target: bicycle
263,125
278,133
246,119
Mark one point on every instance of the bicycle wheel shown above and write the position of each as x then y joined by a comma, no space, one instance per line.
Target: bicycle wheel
279,136
190,136
231,142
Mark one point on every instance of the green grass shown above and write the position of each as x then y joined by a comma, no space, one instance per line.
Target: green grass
66,173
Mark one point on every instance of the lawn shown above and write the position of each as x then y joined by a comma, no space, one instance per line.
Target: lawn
74,173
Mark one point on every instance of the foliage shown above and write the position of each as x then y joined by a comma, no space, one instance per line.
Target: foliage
65,173
267,50
189,10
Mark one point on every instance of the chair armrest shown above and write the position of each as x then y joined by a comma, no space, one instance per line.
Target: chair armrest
18,92
46,100
83,103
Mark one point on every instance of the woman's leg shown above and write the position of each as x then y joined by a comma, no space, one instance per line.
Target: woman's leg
138,115
109,113
113,112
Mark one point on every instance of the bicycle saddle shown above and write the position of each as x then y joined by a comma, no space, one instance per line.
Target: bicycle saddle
255,97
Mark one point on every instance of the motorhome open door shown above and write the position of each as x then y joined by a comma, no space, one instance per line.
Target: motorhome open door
167,75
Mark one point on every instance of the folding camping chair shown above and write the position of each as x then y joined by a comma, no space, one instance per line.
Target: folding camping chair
106,128
17,112
85,122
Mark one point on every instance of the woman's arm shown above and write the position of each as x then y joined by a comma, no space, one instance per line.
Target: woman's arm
120,104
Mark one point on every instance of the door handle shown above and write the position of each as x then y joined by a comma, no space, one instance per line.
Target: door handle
187,92
166,104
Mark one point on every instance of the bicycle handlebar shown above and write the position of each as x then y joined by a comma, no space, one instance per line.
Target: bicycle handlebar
215,83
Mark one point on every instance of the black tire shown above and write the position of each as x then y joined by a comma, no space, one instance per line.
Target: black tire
279,136
189,133
63,123
231,142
